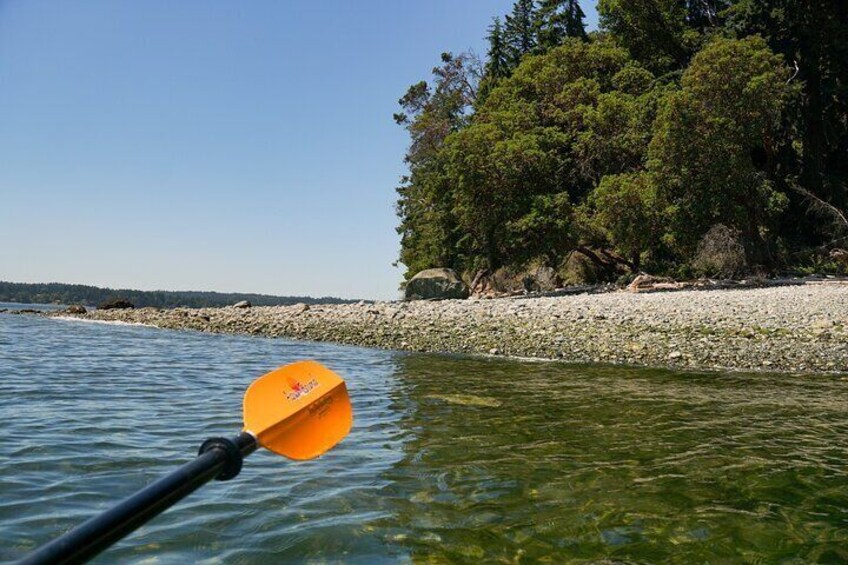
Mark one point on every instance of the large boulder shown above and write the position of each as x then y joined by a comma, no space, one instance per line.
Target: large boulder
510,281
436,284
541,279
579,270
115,303
75,309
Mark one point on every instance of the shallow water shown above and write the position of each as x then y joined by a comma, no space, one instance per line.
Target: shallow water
449,459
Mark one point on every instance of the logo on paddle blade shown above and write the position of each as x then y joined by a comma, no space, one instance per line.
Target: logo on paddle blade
299,389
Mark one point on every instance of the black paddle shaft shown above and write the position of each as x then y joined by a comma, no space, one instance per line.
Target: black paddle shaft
219,458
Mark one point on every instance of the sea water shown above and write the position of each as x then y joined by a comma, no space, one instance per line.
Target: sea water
450,458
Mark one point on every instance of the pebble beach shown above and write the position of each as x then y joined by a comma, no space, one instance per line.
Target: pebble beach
801,328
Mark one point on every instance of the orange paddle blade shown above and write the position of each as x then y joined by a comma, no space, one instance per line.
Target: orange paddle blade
299,410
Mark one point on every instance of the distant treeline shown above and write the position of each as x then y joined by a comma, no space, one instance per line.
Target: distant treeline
59,293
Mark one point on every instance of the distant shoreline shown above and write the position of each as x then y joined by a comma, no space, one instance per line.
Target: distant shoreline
62,293
801,328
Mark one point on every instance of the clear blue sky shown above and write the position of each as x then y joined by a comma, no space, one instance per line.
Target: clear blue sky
230,146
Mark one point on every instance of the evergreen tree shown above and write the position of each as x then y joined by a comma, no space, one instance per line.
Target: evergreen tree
497,65
654,31
558,19
520,30
431,113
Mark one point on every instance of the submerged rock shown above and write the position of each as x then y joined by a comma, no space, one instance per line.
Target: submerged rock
466,400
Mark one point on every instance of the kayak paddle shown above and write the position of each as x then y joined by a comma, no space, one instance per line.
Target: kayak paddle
299,410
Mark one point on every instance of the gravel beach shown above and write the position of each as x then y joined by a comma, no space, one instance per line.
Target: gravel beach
800,328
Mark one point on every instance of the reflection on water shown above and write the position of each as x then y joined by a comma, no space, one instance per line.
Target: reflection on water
449,458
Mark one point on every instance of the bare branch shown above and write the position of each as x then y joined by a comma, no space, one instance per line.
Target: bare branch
795,74
822,207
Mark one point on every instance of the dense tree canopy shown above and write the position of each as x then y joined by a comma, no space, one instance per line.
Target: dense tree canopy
713,143
629,144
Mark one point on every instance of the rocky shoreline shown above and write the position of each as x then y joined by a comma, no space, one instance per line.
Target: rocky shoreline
801,328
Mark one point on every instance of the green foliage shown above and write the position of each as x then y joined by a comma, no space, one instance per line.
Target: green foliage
493,180
633,80
498,64
705,14
520,30
712,142
616,133
546,232
812,37
654,31
507,168
430,114
630,144
531,27
427,227
818,264
625,208
558,19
